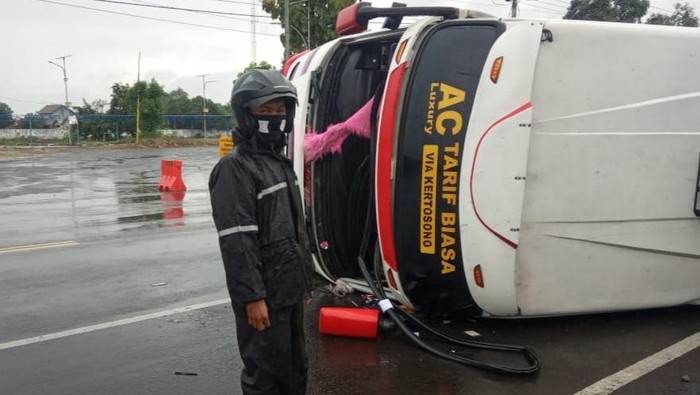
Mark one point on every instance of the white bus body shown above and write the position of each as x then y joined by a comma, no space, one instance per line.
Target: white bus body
555,173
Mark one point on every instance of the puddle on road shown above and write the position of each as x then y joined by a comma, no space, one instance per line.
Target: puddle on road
95,189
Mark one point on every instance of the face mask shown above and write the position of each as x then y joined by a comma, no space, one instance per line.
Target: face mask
271,127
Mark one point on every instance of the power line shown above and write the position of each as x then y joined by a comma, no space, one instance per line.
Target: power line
22,100
251,19
661,9
486,4
560,13
233,2
156,19
175,8
544,8
563,3
553,4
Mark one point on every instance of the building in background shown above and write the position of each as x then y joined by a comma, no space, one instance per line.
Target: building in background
55,114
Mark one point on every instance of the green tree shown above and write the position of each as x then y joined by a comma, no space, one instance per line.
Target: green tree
254,65
95,107
97,129
630,11
683,15
178,102
155,103
85,109
5,109
118,104
5,115
151,97
317,29
213,109
37,122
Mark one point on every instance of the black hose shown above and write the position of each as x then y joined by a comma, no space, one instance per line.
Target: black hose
488,346
533,362
391,312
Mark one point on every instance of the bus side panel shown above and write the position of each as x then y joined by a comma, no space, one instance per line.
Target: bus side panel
608,222
494,168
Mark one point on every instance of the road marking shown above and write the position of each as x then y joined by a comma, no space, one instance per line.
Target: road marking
39,246
646,365
112,324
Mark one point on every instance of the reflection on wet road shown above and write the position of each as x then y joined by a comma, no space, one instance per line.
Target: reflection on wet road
96,192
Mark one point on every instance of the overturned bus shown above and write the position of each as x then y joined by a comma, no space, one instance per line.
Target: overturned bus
513,167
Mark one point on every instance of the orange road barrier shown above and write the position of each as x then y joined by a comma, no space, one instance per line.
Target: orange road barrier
171,176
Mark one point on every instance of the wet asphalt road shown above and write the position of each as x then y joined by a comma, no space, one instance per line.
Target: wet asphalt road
130,251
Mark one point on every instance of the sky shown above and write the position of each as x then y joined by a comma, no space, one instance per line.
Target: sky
176,46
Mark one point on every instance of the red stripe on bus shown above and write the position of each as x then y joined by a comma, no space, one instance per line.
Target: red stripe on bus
385,145
515,112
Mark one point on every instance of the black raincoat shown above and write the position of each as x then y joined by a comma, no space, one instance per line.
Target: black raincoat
257,210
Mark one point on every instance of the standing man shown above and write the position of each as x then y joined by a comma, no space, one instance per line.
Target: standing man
257,210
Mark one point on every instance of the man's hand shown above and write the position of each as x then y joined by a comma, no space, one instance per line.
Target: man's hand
257,315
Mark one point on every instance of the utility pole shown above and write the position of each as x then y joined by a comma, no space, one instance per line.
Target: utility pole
286,30
65,87
204,99
253,33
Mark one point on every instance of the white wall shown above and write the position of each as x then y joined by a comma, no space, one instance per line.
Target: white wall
36,133
190,133
40,134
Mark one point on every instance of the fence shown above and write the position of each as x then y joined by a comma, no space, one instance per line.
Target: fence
116,120
57,134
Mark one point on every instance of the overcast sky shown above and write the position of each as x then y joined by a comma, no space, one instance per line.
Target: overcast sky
104,46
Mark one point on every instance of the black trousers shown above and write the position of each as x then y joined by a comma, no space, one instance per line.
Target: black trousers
275,361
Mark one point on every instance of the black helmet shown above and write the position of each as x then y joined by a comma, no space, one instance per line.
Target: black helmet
257,87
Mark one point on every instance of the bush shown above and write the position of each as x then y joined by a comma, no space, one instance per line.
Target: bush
15,141
151,134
